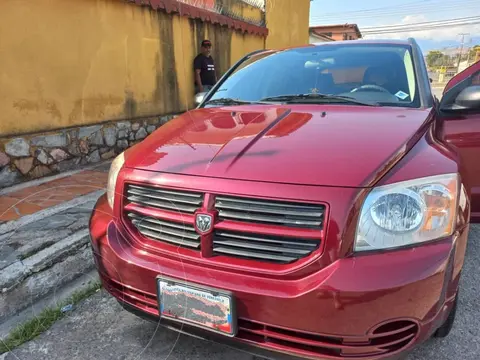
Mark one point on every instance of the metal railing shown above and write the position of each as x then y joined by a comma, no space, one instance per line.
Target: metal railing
224,8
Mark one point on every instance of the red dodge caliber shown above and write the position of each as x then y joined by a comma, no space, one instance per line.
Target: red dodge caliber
316,203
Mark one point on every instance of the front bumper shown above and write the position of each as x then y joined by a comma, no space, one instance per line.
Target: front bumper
365,307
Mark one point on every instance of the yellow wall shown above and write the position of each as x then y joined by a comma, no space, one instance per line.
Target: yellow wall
66,63
78,62
243,44
287,22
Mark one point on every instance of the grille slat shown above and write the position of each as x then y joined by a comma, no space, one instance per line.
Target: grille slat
141,200
234,215
252,254
306,243
169,192
278,204
164,230
169,239
137,217
166,197
170,232
270,212
262,247
254,247
171,200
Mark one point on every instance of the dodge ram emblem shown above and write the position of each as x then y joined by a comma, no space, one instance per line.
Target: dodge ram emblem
203,223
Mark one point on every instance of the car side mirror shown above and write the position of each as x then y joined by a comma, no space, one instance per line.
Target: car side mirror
199,98
469,98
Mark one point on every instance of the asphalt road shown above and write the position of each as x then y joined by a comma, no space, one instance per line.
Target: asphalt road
100,329
437,91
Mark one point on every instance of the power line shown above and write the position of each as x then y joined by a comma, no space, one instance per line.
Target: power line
404,7
423,23
409,29
420,26
353,19
413,29
383,8
356,15
417,29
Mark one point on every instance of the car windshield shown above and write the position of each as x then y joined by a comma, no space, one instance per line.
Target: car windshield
379,74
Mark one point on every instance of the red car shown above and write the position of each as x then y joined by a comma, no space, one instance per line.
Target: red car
316,203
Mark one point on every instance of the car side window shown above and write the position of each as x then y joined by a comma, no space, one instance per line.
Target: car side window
407,59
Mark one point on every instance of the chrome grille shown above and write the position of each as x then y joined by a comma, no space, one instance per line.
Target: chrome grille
270,212
262,247
167,231
164,199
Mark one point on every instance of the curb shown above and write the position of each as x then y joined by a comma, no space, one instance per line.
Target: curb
15,273
28,281
41,284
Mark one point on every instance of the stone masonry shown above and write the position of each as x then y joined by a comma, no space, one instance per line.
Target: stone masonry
25,158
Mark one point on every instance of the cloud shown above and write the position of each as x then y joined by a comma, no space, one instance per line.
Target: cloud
438,35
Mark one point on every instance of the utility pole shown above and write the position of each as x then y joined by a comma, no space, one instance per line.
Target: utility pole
469,50
461,50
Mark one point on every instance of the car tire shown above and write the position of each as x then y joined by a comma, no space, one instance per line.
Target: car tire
447,326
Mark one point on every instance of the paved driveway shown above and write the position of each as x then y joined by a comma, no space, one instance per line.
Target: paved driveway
437,91
100,330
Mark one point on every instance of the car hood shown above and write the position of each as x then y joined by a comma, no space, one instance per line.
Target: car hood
332,145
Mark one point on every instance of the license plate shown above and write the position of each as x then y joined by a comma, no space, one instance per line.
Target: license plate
207,308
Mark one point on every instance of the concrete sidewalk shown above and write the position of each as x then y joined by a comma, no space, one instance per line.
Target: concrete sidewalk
44,253
31,199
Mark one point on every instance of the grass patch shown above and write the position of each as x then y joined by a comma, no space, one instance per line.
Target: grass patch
43,321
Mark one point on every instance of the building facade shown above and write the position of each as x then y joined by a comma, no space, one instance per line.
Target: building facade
340,32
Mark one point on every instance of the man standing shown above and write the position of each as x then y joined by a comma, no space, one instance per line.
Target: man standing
204,66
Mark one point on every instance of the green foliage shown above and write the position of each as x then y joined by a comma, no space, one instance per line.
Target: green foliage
471,55
436,59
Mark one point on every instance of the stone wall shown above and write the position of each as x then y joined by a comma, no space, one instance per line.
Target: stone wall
30,157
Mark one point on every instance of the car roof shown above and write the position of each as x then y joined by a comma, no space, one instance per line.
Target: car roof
349,42
363,41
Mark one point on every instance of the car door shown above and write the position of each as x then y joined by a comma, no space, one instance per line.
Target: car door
460,116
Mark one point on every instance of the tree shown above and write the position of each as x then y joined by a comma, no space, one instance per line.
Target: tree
471,55
434,58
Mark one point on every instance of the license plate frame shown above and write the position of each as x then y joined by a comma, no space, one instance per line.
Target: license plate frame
210,293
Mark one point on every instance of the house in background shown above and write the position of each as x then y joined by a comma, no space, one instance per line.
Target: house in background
334,33
316,38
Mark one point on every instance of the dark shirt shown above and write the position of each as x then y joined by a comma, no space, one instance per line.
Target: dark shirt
206,65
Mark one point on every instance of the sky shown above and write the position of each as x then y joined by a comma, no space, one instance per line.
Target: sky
367,13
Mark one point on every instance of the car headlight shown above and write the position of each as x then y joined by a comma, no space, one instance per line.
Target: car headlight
112,177
408,213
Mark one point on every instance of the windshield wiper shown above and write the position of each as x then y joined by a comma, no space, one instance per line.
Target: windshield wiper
229,101
312,97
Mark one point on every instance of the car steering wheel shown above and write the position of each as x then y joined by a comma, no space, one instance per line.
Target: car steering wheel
375,88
